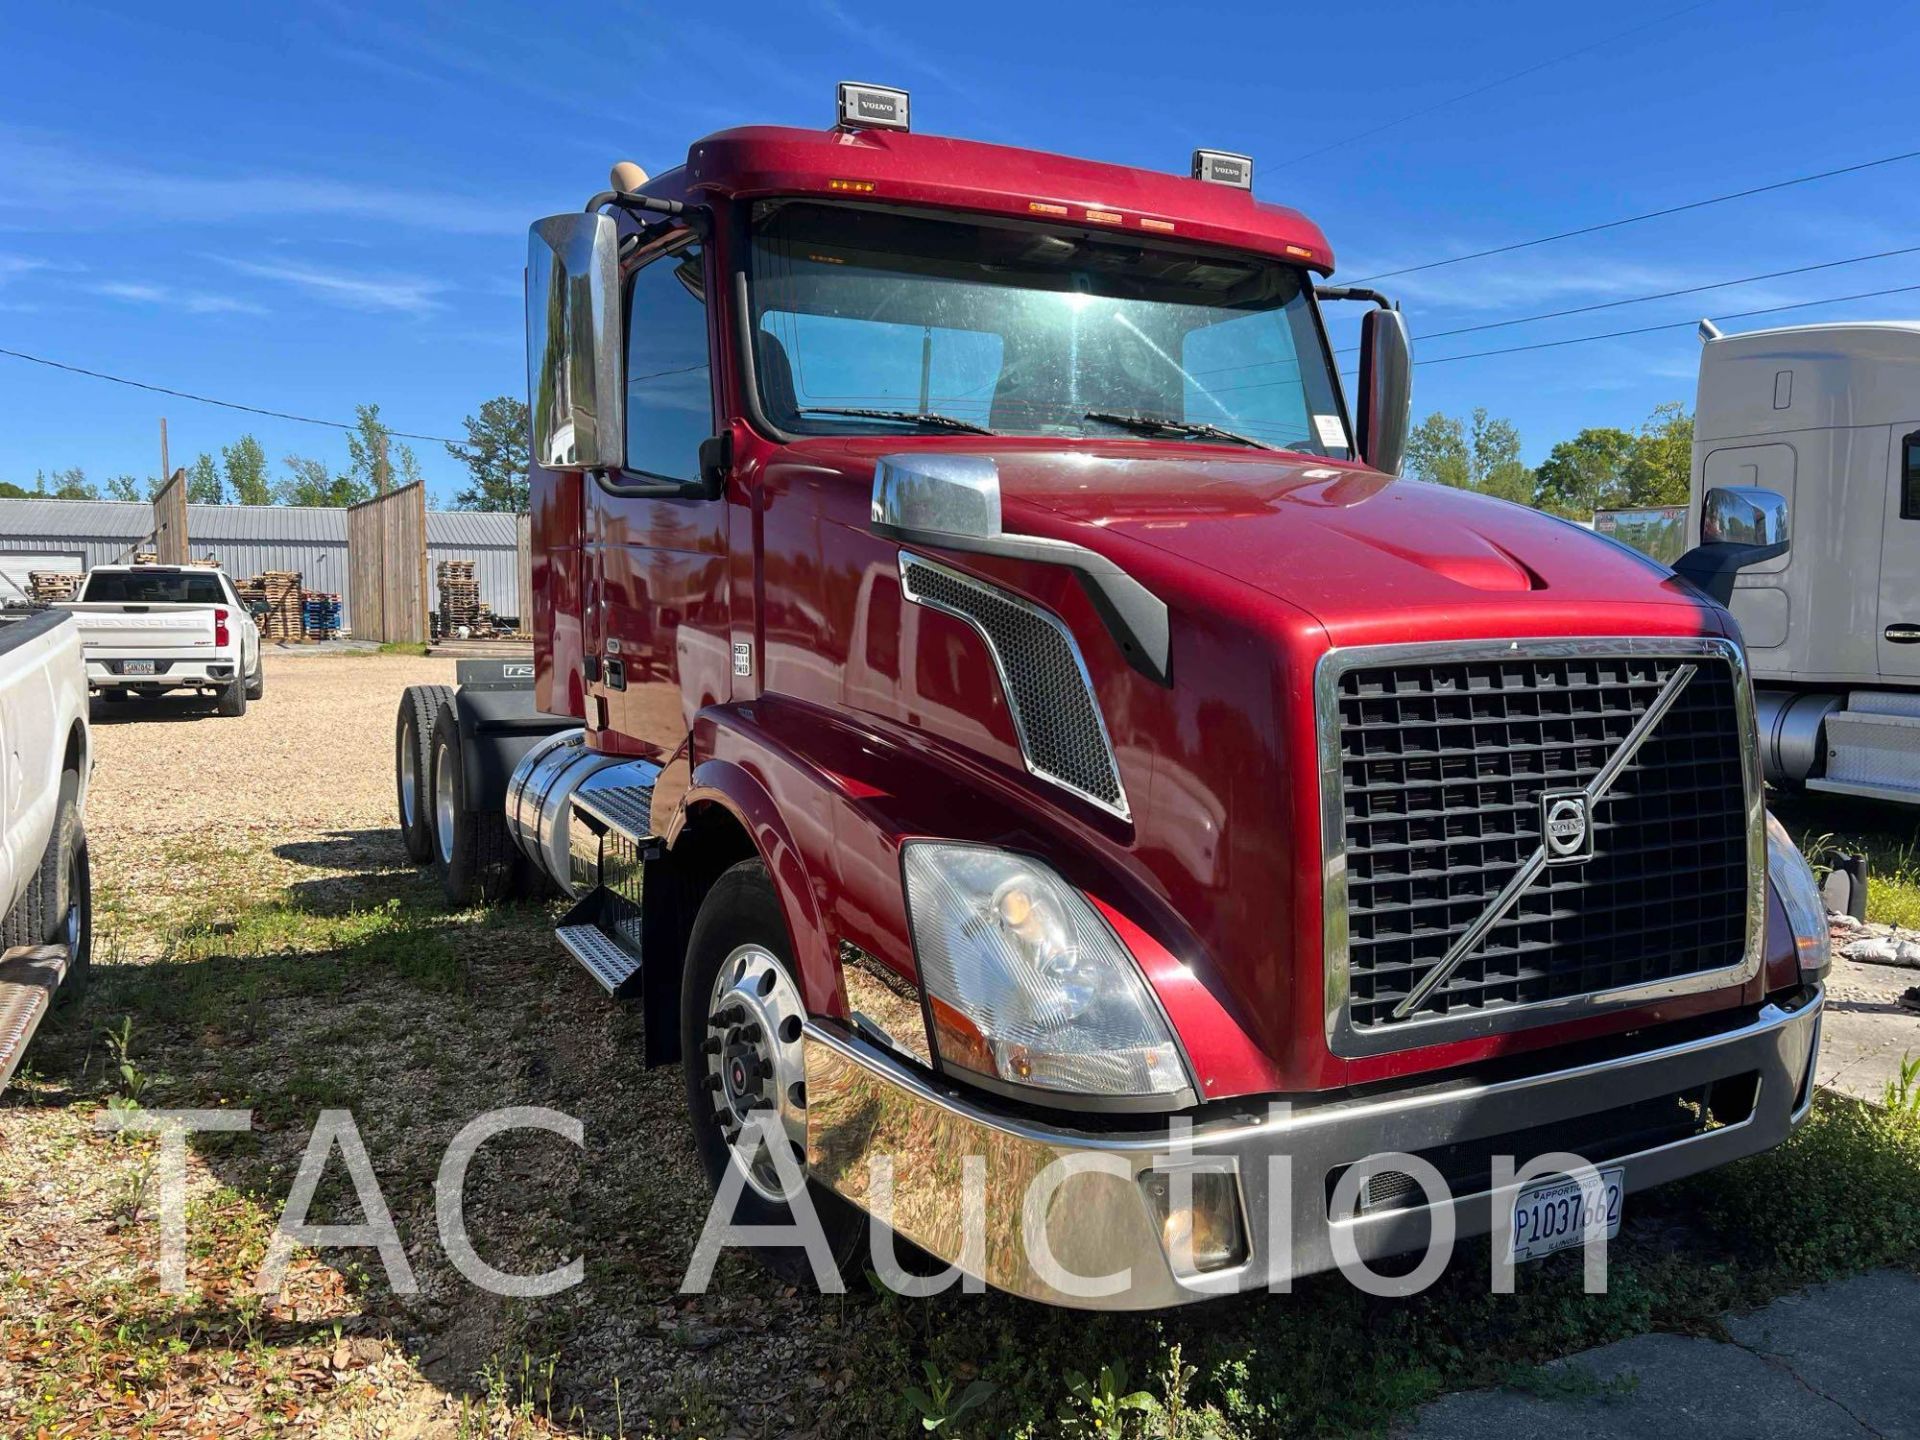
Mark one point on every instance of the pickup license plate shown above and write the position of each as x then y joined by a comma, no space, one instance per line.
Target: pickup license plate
1552,1214
136,667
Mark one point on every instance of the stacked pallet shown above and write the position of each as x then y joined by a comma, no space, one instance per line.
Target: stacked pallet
460,602
48,586
320,612
279,591
146,557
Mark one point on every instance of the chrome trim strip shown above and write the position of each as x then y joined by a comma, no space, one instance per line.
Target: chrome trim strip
1531,867
907,557
1411,1033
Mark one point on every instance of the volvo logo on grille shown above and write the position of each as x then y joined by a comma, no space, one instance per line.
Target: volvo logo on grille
1566,825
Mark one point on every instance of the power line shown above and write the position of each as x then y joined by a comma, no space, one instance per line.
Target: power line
1493,84
1656,295
1652,329
1636,219
209,400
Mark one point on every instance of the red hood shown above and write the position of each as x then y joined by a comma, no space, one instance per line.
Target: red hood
1361,552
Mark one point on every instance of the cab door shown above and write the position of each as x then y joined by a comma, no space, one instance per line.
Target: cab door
1899,615
658,566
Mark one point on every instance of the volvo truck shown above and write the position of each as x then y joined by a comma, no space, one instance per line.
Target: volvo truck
992,696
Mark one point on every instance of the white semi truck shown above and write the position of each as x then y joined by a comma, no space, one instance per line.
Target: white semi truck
1827,416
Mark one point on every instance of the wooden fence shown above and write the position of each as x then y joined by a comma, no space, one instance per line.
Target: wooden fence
170,520
387,566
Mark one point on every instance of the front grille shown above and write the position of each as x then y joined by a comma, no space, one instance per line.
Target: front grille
1061,733
1442,765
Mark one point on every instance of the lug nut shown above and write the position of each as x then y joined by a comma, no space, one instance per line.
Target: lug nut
711,1046
712,1082
750,1033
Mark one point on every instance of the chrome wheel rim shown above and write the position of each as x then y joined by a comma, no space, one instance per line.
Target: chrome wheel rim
755,1061
409,776
443,802
73,923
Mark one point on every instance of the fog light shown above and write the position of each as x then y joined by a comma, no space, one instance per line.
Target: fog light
1203,1234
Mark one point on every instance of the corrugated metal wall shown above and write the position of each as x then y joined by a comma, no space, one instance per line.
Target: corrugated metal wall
247,539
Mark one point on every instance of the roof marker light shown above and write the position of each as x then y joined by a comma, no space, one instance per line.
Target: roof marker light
872,107
1223,167
1105,217
858,187
1301,250
1042,207
1148,223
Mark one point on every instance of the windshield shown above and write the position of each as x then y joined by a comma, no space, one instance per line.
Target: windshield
153,587
930,325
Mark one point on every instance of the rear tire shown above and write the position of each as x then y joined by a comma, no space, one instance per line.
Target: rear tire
420,706
233,699
740,939
472,851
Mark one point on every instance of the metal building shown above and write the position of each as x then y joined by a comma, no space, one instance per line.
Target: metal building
246,539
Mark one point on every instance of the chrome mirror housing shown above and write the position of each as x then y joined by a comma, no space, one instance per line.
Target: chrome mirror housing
1386,389
574,393
930,497
1743,515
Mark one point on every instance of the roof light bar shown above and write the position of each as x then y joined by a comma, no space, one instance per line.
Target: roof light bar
872,107
1223,167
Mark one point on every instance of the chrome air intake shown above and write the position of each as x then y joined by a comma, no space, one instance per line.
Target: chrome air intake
539,801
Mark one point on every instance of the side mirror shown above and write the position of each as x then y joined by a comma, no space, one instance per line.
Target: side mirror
574,393
1386,389
1740,525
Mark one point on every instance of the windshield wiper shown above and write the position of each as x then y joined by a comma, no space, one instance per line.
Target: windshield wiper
942,422
1166,425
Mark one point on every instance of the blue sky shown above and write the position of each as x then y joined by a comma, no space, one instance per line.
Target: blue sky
307,206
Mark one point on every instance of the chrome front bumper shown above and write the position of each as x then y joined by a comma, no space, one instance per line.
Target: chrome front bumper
862,1103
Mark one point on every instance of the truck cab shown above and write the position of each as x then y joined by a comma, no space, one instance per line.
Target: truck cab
1827,417
1002,701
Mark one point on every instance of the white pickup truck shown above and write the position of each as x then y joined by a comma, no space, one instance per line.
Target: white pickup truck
149,629
45,882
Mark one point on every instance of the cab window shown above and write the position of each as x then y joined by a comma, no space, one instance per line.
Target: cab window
669,390
1910,477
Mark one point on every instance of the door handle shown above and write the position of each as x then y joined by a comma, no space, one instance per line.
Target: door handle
1903,634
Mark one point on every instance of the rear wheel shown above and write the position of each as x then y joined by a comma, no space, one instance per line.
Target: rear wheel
740,1022
233,699
472,850
420,706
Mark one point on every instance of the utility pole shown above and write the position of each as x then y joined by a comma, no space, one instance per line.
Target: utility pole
165,469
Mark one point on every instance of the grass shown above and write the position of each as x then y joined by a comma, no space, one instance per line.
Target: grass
1826,825
403,647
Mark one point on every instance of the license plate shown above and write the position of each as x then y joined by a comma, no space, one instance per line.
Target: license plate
1552,1214
136,667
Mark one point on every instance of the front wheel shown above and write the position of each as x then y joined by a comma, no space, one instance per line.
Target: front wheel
740,1025
257,686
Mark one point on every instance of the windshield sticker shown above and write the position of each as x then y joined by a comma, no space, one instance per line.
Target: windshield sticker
1332,433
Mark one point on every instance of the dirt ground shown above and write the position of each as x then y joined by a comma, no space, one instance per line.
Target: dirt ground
259,923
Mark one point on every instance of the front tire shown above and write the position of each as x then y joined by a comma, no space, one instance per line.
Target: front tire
420,706
257,686
472,851
740,1022
57,907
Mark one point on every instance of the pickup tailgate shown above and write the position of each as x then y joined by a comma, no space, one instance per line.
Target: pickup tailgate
143,630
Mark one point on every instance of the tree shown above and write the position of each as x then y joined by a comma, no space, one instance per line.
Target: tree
375,456
203,482
246,464
495,456
124,487
1483,455
67,485
1586,473
1660,471
311,483
11,491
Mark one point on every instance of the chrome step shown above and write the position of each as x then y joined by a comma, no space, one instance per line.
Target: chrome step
28,978
1874,753
604,957
620,798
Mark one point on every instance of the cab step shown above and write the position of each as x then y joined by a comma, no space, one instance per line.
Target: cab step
28,978
1873,747
602,932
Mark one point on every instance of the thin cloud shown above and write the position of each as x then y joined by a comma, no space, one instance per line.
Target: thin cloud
52,180
194,302
402,294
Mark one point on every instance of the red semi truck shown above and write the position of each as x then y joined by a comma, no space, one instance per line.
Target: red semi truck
992,696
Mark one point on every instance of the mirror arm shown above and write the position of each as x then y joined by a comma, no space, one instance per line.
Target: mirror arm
1354,292
1710,568
716,464
629,200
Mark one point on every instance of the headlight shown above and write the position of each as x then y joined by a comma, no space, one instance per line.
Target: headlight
1800,897
1026,983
